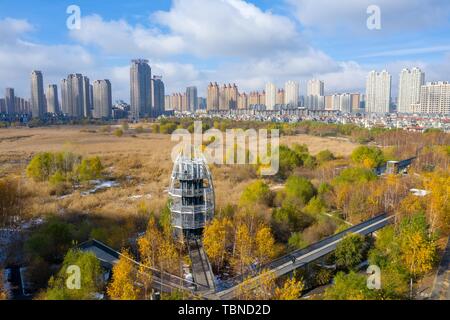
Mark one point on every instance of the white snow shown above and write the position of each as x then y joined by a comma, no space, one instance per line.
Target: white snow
100,185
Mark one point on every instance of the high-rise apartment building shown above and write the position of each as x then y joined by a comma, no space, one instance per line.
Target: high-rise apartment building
201,103
64,96
213,96
168,103
280,97
271,96
291,93
74,95
378,92
9,101
355,102
140,88
409,89
158,93
345,102
191,99
91,97
262,97
87,107
242,101
335,101
314,99
52,99
315,87
315,102
21,105
328,102
183,102
434,98
223,98
102,98
2,105
37,94
228,97
253,98
233,95
177,101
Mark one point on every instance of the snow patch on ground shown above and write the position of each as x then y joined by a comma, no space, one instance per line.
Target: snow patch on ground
100,185
140,196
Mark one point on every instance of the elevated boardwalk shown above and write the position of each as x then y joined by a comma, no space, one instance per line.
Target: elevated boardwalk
299,258
203,283
162,280
201,268
398,166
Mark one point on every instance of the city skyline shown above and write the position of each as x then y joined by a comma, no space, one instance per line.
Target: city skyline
148,98
288,45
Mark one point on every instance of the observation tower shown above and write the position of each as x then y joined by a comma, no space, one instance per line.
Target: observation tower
191,194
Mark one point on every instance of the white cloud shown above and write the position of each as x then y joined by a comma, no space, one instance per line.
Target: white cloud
203,28
343,16
118,37
11,28
198,41
229,27
409,51
19,57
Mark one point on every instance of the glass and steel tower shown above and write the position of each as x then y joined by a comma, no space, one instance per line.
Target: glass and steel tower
140,88
192,197
37,95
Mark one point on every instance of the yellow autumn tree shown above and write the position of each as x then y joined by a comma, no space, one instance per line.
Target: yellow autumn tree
410,205
148,244
215,236
168,256
291,290
122,286
264,244
438,208
145,278
417,246
243,256
260,287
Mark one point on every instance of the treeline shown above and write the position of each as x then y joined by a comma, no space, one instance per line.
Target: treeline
382,136
62,169
264,223
404,253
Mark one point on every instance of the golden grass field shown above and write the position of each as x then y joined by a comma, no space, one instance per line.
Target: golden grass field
141,162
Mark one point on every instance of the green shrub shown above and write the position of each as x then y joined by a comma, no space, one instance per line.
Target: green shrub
299,190
118,132
324,156
90,169
90,281
369,157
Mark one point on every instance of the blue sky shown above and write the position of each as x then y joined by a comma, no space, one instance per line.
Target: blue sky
192,42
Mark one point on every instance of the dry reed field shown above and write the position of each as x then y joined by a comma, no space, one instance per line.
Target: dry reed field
141,163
